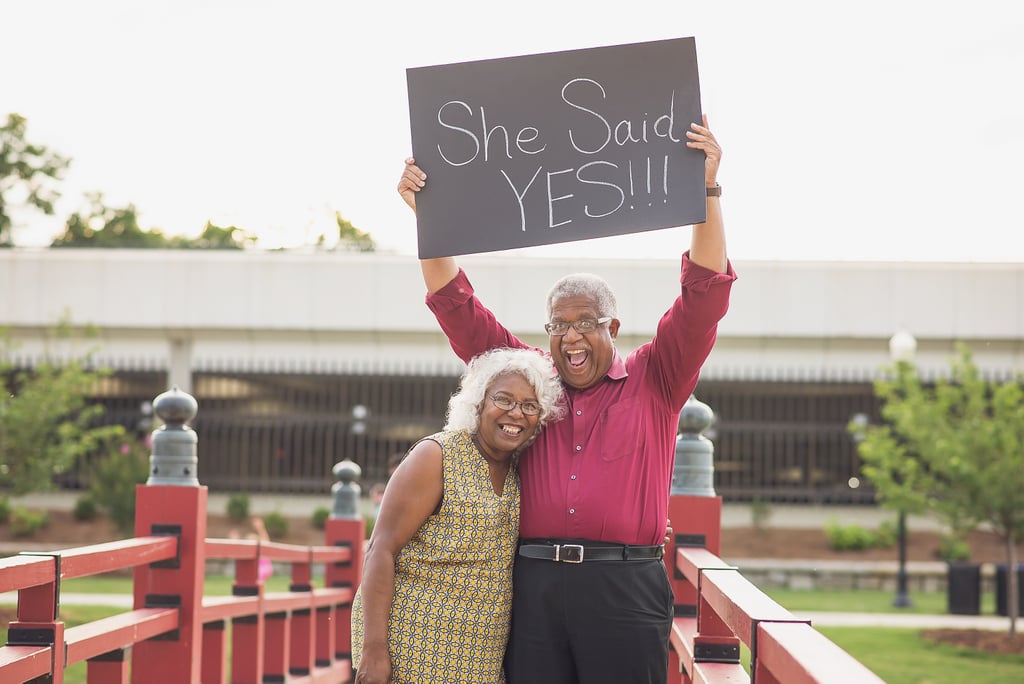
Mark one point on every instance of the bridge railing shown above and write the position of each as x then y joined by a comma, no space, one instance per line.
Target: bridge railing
176,635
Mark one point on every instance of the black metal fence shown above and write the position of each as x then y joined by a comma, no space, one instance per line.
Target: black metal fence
275,431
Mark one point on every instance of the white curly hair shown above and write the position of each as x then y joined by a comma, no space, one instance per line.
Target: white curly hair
465,405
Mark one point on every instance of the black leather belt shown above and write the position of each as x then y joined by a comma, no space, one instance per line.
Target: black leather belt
578,553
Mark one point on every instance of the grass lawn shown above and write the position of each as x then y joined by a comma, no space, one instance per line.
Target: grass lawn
902,656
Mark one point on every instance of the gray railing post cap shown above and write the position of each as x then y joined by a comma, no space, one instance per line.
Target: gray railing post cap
693,474
696,416
345,492
173,460
346,471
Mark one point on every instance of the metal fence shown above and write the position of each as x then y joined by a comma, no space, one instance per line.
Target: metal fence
276,431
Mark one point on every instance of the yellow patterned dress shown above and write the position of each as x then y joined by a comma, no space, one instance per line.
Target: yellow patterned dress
453,580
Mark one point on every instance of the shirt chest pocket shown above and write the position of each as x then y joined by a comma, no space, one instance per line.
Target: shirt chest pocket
620,432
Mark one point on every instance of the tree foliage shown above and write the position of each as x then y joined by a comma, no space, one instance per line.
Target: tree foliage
27,172
46,420
955,448
350,238
112,227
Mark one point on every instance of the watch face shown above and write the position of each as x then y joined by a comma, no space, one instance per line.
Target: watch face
716,191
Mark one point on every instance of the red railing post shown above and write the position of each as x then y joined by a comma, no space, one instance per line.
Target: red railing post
214,667
109,668
346,528
37,623
695,512
248,632
301,657
172,502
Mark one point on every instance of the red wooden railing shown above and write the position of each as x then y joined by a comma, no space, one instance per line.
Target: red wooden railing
176,635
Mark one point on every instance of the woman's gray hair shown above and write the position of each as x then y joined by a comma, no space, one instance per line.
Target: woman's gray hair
465,406
587,285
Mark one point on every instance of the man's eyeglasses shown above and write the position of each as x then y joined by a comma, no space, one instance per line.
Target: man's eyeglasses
529,408
582,326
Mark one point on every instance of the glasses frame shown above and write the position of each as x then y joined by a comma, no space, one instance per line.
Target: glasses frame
598,322
521,404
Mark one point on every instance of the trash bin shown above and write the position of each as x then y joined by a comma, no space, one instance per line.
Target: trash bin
963,589
1001,603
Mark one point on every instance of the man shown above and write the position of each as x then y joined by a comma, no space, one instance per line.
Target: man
592,602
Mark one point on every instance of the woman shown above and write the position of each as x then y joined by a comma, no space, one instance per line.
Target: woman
437,576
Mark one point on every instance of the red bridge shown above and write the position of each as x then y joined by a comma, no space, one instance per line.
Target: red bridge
176,635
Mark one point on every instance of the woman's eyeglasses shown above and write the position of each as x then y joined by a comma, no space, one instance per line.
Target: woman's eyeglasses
529,408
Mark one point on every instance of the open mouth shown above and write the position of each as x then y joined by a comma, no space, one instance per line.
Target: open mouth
577,357
512,430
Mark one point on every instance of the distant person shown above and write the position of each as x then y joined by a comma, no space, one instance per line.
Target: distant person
377,497
436,592
592,602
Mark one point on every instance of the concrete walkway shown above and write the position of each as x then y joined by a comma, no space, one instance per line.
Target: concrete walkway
818,619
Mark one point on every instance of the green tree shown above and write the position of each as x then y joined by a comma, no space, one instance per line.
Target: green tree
118,227
955,447
46,419
26,174
216,237
350,238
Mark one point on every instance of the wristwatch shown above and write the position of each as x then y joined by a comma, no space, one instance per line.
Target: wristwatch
715,191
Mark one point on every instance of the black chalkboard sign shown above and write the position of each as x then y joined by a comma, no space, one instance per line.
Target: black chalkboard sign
556,147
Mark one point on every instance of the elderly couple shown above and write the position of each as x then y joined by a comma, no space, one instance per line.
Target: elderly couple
460,583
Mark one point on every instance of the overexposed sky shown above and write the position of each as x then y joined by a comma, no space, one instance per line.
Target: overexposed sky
872,130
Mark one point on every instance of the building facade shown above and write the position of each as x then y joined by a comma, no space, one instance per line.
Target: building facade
299,360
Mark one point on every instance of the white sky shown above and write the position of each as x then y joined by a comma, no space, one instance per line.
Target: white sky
875,130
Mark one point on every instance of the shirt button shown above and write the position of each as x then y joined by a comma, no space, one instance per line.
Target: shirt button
579,448
571,511
579,413
572,477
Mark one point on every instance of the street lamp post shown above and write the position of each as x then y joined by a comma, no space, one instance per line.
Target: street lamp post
902,349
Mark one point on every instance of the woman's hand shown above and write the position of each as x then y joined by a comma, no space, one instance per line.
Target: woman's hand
374,666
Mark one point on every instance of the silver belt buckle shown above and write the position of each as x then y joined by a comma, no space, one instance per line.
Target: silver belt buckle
573,553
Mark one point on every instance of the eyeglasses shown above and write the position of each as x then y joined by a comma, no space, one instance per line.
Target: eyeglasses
582,326
529,408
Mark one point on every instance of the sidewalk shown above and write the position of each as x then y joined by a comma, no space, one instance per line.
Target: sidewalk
818,619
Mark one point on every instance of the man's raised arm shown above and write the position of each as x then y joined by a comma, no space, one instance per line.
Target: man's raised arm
707,242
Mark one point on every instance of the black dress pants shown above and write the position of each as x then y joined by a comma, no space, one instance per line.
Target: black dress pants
594,622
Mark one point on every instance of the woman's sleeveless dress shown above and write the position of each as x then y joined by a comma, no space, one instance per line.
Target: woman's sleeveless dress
453,580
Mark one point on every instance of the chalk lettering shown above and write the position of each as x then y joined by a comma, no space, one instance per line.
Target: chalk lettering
604,123
526,135
592,181
519,195
552,200
476,141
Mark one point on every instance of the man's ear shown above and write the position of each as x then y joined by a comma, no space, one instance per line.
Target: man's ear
613,328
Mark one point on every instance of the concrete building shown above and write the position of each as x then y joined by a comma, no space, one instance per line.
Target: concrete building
794,360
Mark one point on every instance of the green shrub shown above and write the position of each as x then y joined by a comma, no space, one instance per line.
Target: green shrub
5,510
85,508
857,538
953,549
760,513
238,508
320,516
276,524
24,522
113,484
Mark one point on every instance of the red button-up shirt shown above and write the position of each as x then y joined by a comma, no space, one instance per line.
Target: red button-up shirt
604,471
